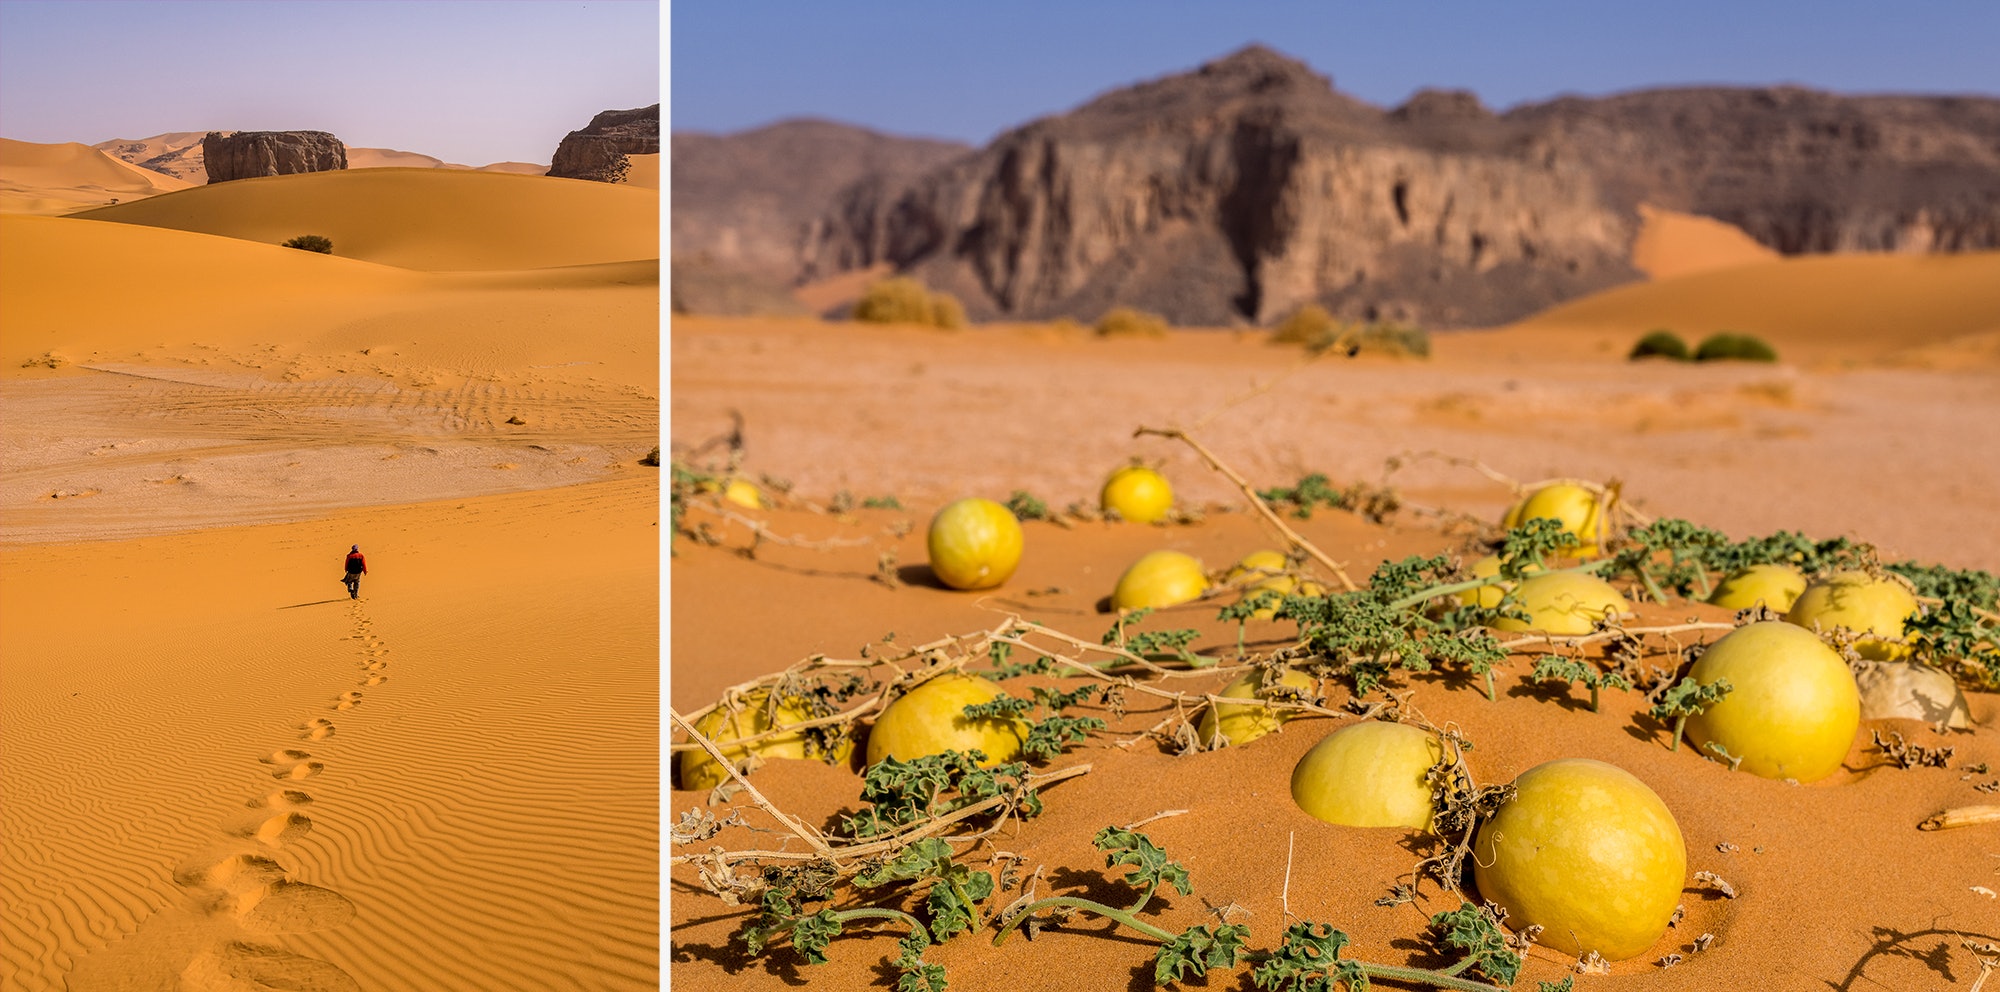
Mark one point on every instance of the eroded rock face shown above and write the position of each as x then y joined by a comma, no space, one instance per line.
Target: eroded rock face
1239,191
250,154
597,152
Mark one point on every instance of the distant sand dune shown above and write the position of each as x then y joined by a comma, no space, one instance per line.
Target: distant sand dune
1675,244
430,219
1844,307
54,179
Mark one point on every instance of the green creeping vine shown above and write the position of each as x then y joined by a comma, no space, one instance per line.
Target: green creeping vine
1051,735
1553,668
1366,634
1309,959
1687,698
900,793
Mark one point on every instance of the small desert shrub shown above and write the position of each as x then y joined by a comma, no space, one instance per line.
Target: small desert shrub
1660,344
1125,322
1730,346
311,242
1311,325
1390,338
903,300
1306,325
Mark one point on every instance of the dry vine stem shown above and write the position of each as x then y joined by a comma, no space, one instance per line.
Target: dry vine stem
1962,816
811,837
1256,501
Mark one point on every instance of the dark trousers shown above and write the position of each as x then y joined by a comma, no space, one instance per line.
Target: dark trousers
353,581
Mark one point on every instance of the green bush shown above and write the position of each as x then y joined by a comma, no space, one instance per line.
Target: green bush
311,242
903,300
1660,344
1730,346
1125,322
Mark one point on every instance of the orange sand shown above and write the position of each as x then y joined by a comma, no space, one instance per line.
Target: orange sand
1873,427
1676,244
458,771
58,179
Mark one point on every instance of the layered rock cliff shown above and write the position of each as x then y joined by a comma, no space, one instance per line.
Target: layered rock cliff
597,152
1241,190
250,154
749,201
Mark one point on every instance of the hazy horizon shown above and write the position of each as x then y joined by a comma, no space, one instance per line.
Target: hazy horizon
968,74
468,82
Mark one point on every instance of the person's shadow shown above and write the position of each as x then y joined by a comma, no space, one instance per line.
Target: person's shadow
322,602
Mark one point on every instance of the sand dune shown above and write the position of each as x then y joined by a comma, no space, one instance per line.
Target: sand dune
389,158
1675,244
431,219
176,153
643,171
1836,308
216,764
218,772
56,179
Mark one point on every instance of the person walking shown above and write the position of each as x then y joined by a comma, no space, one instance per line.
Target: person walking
357,567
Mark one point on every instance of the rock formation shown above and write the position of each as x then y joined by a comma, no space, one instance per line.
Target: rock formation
748,202
250,154
597,152
1242,190
1237,193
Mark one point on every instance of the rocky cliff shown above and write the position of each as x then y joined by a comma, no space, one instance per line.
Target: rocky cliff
597,152
750,201
1239,191
250,154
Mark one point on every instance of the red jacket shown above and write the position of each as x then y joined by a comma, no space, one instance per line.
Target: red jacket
356,563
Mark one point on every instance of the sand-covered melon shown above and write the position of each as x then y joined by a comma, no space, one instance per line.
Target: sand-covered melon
752,716
1138,494
1371,774
974,544
1242,724
1576,508
1270,564
1160,579
1862,603
1589,853
1565,603
1792,709
1776,586
930,719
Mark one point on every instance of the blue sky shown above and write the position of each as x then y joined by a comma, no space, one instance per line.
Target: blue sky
468,82
971,70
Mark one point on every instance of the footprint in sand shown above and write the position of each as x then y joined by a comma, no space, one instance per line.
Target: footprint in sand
283,799
281,829
237,965
375,665
347,700
293,764
317,729
376,679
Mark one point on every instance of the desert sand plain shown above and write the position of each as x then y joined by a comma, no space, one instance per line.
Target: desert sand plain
1881,422
216,770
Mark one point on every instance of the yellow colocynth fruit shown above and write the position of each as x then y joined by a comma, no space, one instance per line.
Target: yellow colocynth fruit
1138,493
974,544
1589,853
930,719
